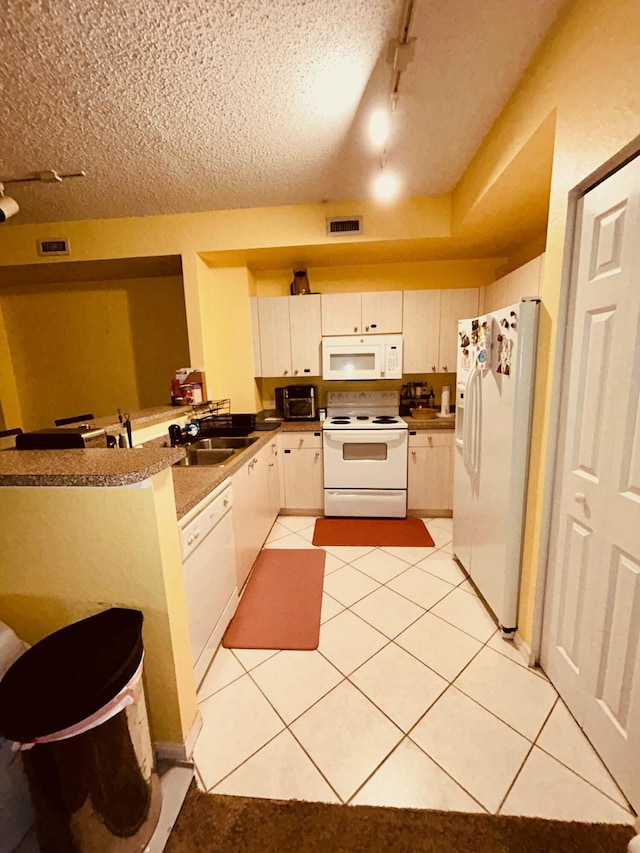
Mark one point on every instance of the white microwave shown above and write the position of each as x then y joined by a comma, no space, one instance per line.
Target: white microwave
367,357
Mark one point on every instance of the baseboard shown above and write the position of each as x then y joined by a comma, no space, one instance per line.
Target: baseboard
317,511
525,651
429,513
176,752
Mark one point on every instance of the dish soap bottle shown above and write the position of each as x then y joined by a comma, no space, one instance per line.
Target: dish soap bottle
431,399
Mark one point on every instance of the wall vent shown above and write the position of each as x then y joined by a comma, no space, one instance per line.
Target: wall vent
58,246
339,225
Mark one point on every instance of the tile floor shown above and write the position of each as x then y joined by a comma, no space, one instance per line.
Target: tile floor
412,699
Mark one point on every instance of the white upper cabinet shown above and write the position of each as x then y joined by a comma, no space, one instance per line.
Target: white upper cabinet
430,330
305,334
454,305
372,313
289,335
421,331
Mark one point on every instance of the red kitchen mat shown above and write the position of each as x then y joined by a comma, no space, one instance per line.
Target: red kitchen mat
395,532
280,607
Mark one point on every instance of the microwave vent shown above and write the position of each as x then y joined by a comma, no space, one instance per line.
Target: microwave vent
58,246
338,225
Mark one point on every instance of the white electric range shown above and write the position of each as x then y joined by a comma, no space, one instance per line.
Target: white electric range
365,455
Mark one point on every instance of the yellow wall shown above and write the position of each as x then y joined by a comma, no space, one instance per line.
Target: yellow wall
93,346
10,413
55,570
417,275
586,76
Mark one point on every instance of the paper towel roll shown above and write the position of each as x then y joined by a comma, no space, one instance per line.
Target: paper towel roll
445,400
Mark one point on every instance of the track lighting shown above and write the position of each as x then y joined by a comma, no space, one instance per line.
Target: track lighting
386,186
8,206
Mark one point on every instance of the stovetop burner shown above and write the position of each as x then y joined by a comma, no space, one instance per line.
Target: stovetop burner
339,420
385,419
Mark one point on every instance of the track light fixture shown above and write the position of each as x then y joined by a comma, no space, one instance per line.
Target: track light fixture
8,206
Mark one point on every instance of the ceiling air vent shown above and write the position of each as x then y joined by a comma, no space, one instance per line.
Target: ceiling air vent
339,225
47,248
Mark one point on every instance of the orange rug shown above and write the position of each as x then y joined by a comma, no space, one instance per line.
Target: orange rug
280,607
392,532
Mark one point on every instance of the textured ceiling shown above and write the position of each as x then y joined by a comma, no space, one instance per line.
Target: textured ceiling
185,105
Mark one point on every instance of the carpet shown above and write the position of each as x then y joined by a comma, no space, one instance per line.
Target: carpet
280,607
392,532
221,824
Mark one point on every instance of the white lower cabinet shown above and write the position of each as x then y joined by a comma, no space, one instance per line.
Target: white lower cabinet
254,509
430,474
301,471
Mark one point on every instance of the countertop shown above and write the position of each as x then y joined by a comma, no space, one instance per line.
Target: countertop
121,467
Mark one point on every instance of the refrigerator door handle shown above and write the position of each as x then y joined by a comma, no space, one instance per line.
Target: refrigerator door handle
467,427
471,448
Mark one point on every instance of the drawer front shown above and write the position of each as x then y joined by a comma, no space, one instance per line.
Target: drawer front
298,440
435,438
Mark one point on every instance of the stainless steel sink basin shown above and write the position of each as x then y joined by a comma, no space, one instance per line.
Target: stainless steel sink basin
215,451
212,443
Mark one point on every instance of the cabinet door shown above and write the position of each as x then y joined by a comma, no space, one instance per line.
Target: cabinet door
273,479
430,474
302,474
251,513
255,336
454,305
305,333
275,347
420,331
382,312
341,313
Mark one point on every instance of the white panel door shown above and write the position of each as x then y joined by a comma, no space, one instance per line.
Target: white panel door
454,305
341,313
275,346
591,635
382,312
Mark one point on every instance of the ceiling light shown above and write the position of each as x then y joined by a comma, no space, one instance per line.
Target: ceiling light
386,186
379,128
8,206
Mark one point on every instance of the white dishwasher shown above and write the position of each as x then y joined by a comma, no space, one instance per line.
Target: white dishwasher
208,565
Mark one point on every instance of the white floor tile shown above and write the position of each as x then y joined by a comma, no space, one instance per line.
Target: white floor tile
409,779
420,587
297,522
281,770
330,608
509,650
252,657
467,586
545,788
399,685
237,721
440,536
332,563
346,737
380,565
293,681
466,612
387,611
444,523
446,549
563,738
444,648
348,553
292,540
443,567
347,642
518,697
410,555
278,531
478,750
347,585
224,669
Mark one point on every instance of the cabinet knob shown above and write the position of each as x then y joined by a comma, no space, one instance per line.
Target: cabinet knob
444,368
270,464
433,368
366,328
225,502
285,372
355,328
295,372
413,453
255,460
317,453
580,498
430,437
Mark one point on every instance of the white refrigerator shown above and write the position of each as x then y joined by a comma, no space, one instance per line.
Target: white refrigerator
494,401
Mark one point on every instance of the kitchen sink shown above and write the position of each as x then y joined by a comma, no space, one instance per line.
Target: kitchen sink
235,443
215,451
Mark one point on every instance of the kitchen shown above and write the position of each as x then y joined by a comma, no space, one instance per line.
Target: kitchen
225,269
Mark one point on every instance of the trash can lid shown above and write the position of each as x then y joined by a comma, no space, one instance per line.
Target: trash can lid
70,674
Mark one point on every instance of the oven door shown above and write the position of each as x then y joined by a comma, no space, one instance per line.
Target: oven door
365,459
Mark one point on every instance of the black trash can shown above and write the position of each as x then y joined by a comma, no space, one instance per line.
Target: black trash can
74,705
